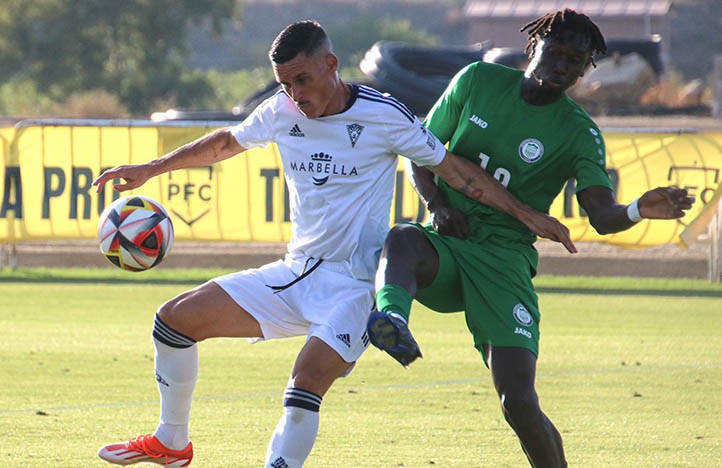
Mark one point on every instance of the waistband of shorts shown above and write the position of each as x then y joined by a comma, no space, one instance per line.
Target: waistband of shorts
299,264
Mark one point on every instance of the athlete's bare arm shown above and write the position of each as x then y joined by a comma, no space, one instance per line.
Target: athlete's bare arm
207,150
479,185
607,216
445,219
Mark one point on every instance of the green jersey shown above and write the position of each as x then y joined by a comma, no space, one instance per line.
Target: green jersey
531,150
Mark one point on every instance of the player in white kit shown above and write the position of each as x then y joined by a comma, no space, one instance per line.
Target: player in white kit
339,145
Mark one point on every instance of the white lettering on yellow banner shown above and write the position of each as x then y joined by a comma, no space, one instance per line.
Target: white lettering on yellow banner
47,171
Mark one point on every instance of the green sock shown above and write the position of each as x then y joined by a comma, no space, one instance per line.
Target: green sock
392,298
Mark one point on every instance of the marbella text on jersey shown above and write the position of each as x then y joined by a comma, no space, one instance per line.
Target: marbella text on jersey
322,163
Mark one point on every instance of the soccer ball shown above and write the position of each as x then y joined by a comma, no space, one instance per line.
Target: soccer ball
135,233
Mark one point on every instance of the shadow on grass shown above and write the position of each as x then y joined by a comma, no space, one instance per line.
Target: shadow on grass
141,282
101,276
194,277
630,292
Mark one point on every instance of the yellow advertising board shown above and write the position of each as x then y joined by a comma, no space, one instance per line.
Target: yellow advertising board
637,162
47,169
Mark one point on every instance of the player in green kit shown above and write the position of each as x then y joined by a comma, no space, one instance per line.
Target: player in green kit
522,128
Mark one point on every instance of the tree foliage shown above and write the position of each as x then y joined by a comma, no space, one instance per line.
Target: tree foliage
131,48
352,40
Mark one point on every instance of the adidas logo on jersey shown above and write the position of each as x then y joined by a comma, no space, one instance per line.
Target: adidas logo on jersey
296,132
345,337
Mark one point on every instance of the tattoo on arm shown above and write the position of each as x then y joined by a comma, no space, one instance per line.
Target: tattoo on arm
215,146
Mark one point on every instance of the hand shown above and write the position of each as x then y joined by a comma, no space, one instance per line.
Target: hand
449,221
550,228
134,176
665,203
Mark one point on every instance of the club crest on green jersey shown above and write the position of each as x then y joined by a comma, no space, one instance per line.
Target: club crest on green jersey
531,150
522,315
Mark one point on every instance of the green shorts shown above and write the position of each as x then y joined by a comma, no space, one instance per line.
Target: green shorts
492,284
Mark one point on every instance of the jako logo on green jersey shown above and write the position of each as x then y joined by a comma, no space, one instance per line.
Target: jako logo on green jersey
531,150
479,121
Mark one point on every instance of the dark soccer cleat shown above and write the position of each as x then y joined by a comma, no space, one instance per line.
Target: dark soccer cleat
391,334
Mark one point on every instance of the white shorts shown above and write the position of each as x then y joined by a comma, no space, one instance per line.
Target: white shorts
329,303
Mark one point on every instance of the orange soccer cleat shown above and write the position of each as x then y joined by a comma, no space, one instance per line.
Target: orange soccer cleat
146,449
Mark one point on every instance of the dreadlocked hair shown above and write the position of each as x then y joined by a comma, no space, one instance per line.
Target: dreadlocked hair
552,24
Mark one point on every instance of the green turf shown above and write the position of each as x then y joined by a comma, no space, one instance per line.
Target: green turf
629,371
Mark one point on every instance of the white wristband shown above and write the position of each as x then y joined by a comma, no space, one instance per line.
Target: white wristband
633,211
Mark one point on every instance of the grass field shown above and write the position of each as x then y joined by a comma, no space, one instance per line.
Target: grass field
629,371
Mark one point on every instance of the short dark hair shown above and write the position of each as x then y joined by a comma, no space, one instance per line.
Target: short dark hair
554,23
302,37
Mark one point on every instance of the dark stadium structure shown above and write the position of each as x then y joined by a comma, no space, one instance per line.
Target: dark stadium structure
417,75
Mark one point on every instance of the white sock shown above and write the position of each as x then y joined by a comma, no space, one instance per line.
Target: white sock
295,433
176,371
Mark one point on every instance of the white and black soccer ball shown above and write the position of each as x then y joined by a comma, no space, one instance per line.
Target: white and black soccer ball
135,233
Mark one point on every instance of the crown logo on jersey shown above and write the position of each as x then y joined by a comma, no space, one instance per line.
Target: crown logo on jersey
321,167
296,132
354,132
321,157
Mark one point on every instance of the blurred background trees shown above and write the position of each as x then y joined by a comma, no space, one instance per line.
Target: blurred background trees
120,59
128,55
129,58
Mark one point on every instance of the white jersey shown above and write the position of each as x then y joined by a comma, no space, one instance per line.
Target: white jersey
340,171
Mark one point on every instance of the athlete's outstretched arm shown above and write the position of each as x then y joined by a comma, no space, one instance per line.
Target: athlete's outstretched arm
479,185
207,150
607,216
